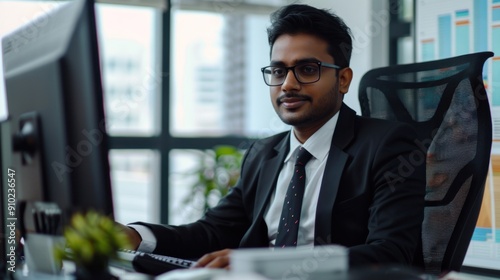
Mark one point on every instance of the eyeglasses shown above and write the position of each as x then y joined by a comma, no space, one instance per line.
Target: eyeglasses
305,73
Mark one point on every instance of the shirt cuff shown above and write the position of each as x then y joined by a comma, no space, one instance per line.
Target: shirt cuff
148,244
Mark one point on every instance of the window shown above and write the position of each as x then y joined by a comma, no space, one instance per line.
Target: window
217,87
134,178
130,66
131,63
217,94
168,93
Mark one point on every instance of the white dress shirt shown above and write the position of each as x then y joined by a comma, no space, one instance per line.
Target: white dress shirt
318,145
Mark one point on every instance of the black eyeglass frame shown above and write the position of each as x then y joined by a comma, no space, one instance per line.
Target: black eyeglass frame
320,64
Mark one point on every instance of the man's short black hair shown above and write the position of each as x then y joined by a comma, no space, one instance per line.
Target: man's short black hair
298,18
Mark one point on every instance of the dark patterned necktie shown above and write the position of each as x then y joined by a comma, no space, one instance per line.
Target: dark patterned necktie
290,216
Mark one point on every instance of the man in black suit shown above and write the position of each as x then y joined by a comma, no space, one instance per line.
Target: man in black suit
364,185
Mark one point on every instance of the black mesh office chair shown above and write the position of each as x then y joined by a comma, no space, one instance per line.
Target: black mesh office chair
445,100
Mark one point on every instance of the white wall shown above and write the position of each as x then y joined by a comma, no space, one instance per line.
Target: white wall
369,21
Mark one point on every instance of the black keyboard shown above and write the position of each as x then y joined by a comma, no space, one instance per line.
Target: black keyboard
148,263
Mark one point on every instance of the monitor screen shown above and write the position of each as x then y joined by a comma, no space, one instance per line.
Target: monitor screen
54,142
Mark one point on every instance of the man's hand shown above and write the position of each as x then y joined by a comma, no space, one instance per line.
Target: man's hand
217,259
133,236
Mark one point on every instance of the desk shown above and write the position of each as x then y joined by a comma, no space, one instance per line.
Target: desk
69,269
357,274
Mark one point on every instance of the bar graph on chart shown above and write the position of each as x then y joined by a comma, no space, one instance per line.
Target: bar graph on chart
448,28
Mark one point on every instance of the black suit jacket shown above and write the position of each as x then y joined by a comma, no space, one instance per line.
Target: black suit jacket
371,198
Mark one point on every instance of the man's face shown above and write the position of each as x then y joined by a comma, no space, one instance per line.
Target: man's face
307,106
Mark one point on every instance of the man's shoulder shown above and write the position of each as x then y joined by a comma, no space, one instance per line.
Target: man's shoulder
366,122
271,141
265,148
350,121
373,129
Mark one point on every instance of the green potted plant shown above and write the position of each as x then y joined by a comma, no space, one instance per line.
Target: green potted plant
92,240
217,171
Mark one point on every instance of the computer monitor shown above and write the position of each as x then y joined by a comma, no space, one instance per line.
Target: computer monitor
55,140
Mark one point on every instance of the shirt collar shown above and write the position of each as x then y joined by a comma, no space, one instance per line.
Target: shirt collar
318,145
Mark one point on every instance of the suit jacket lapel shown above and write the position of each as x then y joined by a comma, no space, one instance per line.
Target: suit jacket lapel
269,176
256,235
337,158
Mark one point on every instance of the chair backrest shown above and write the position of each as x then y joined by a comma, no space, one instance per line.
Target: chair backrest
445,100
